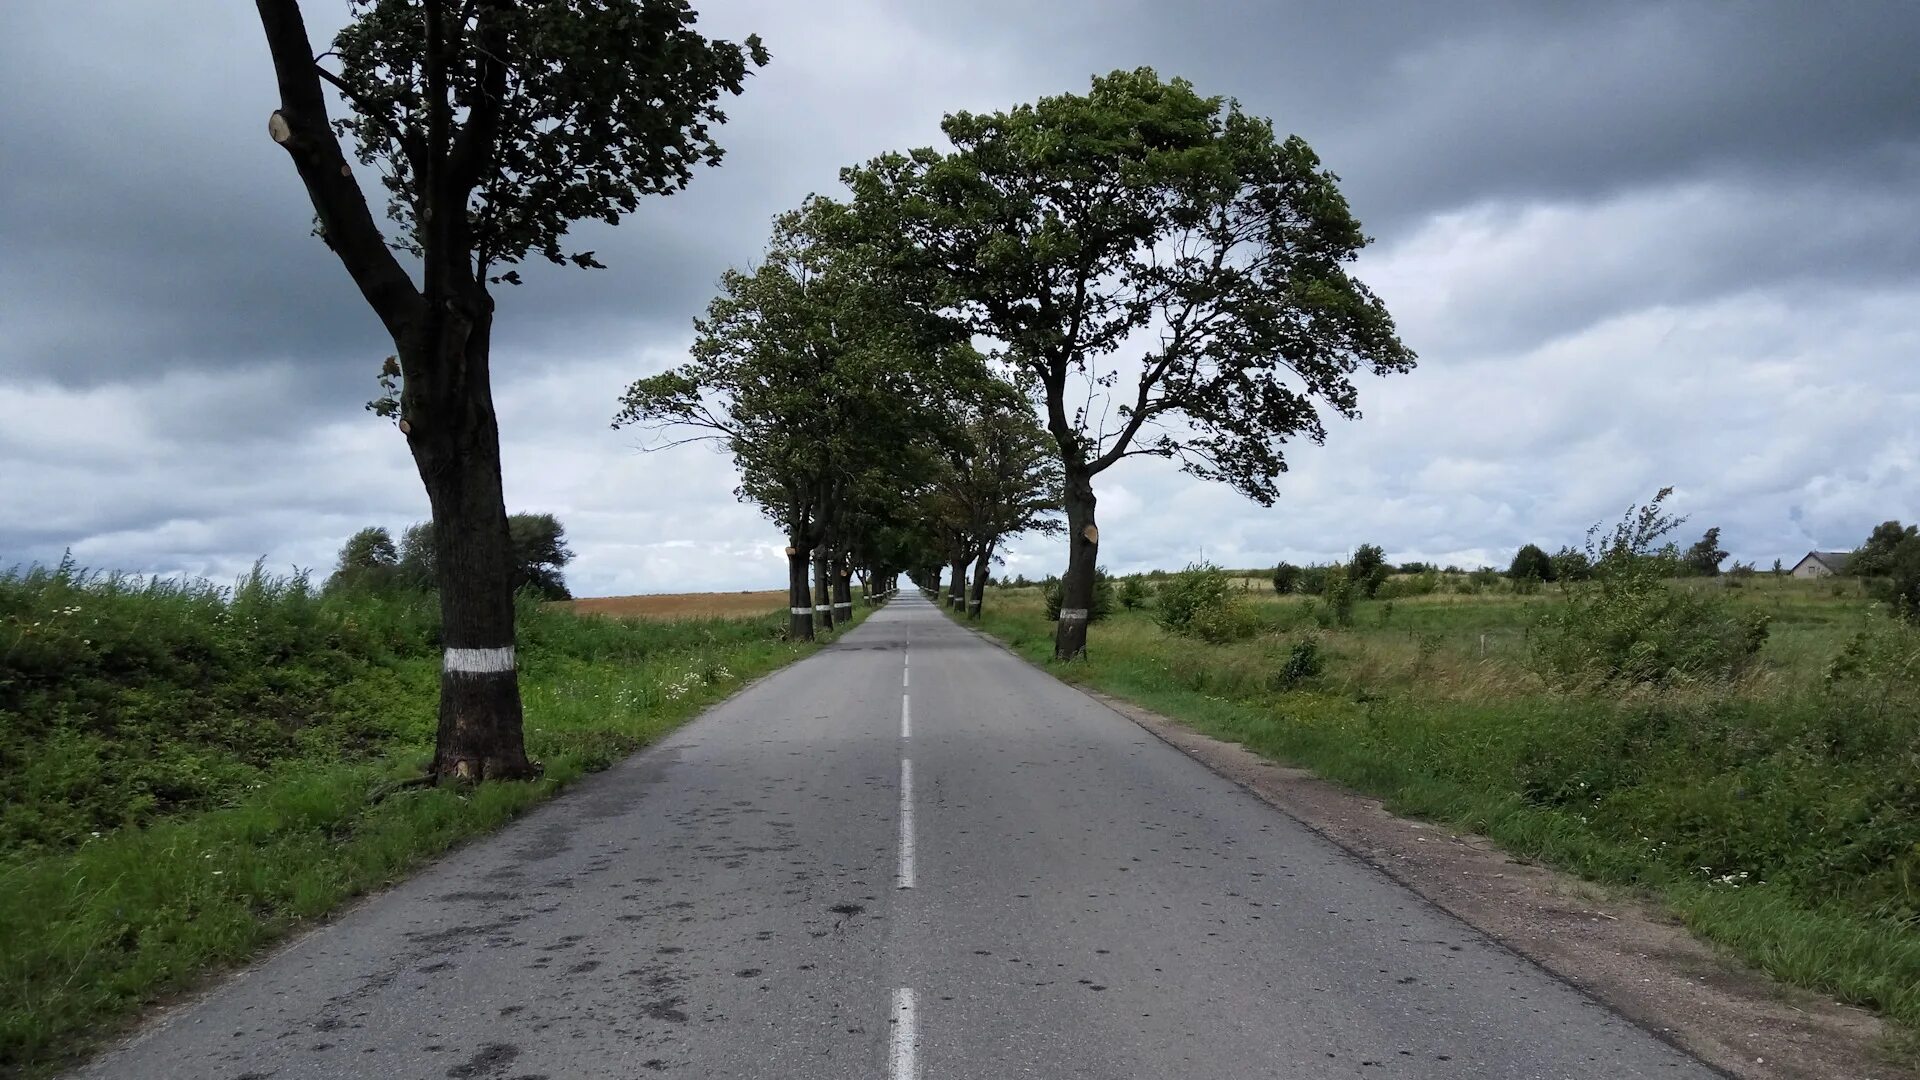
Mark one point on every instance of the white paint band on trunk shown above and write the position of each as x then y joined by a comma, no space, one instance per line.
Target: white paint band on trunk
821,607
478,661
1073,614
801,611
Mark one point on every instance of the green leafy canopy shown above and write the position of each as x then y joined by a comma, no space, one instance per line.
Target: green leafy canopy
1142,222
555,111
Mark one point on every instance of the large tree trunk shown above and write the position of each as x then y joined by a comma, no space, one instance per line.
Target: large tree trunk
957,583
1083,553
448,418
799,594
978,600
842,591
822,591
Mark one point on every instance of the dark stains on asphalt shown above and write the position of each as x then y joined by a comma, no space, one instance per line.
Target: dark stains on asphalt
490,1060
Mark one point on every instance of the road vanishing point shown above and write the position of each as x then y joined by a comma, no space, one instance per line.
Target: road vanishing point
911,854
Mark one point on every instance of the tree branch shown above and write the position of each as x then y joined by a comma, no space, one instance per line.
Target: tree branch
301,128
410,144
474,146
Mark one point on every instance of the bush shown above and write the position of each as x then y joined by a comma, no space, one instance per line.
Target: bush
1103,596
1286,578
1313,580
1626,625
1875,557
1571,564
1532,562
1198,587
1200,601
1133,593
1368,568
1899,585
1304,661
1225,623
1424,583
1340,596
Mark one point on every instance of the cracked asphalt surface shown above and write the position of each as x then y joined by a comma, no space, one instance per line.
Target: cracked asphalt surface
1087,902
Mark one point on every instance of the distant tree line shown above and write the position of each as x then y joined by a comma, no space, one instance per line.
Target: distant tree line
370,561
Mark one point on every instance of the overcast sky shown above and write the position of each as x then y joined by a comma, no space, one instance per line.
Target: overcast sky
1634,244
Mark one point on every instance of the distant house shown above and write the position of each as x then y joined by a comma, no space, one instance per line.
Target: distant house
1820,564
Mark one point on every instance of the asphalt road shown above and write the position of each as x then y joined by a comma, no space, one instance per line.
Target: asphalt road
908,855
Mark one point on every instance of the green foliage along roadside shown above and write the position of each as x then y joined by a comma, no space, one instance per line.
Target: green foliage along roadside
1624,624
1104,598
185,771
1202,601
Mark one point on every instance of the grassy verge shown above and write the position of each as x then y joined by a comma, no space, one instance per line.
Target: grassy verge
1779,816
187,770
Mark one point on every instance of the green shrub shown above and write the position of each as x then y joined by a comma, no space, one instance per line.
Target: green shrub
1368,568
1340,596
1313,580
1304,661
1572,564
1531,561
1226,622
1423,583
1286,578
1899,583
1103,596
1133,593
1626,625
1199,587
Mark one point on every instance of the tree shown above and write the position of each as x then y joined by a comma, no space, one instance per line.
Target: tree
1899,586
417,568
1874,558
1286,578
1704,557
1001,478
494,126
1572,564
1368,570
1531,562
368,561
1142,223
538,553
816,376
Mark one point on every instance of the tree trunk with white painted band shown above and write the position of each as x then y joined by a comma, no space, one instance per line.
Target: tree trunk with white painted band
957,583
447,406
1083,553
842,591
822,591
799,593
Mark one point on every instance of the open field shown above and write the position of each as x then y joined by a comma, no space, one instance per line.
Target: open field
711,605
1776,812
189,773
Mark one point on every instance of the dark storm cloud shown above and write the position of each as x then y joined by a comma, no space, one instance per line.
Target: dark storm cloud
1423,107
150,224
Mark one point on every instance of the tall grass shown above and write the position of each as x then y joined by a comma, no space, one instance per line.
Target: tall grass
185,770
1778,812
